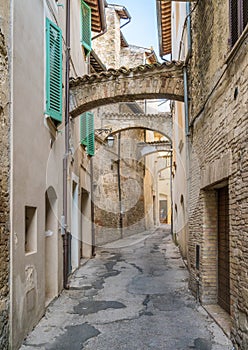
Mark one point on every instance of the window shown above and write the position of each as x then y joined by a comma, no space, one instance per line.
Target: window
85,27
30,229
87,136
238,19
53,71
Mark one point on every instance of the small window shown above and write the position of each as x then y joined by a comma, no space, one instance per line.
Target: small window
30,229
238,19
86,27
197,257
53,71
87,132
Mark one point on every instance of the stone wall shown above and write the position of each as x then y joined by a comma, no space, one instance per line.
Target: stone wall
106,191
4,180
218,158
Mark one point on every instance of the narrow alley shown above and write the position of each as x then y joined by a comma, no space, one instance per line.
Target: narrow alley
133,295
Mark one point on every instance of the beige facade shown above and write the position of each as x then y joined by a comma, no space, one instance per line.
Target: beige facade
179,47
32,167
4,174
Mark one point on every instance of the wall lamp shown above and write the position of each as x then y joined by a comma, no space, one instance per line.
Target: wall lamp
110,141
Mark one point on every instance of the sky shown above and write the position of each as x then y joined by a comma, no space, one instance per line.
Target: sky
142,30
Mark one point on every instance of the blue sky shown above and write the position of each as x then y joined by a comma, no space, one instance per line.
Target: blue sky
142,30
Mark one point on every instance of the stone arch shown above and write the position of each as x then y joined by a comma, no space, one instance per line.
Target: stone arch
161,123
143,82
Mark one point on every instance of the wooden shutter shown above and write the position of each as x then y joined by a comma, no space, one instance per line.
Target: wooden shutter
86,27
245,13
234,21
87,132
91,135
53,71
83,129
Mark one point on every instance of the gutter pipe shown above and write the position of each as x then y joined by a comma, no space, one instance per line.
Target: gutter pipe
93,244
185,75
65,159
119,184
129,17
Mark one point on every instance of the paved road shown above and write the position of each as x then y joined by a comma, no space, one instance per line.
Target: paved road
132,296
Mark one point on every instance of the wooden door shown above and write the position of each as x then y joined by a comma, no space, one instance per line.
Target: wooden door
223,250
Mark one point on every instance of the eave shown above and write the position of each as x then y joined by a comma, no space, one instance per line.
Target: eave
98,21
164,26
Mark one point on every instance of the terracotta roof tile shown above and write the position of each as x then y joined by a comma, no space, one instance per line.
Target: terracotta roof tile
113,73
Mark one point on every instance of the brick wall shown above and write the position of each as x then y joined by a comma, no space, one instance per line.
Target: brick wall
4,188
219,157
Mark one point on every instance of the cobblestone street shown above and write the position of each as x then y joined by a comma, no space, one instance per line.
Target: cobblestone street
133,295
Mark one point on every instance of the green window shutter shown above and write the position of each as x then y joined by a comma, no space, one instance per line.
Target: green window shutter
87,132
86,27
83,129
53,71
91,135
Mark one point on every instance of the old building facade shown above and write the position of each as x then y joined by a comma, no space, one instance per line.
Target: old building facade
214,48
4,175
32,152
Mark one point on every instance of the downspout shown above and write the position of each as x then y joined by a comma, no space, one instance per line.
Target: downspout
93,247
65,159
119,184
171,191
128,16
185,75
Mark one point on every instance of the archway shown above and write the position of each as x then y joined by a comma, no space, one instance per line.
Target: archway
121,85
119,170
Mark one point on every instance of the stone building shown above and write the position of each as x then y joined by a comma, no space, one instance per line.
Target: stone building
126,193
4,175
32,66
213,44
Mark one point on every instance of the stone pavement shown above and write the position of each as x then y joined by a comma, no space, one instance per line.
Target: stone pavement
132,296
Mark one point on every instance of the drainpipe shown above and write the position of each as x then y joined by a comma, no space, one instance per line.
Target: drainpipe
128,16
65,159
93,251
171,192
119,183
185,75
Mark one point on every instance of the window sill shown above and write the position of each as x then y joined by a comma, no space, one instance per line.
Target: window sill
30,253
237,46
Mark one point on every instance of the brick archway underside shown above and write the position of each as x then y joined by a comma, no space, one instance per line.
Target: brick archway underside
143,82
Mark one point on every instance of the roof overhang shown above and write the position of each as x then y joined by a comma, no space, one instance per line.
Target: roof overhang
98,20
164,26
121,11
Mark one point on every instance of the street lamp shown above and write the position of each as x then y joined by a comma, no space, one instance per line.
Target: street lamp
110,141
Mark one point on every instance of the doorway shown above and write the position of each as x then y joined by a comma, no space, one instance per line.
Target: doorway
75,246
86,231
223,250
51,246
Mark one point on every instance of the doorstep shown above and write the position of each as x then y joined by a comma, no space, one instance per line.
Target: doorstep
220,316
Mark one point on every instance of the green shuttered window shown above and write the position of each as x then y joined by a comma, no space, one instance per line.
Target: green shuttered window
87,130
53,71
86,27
